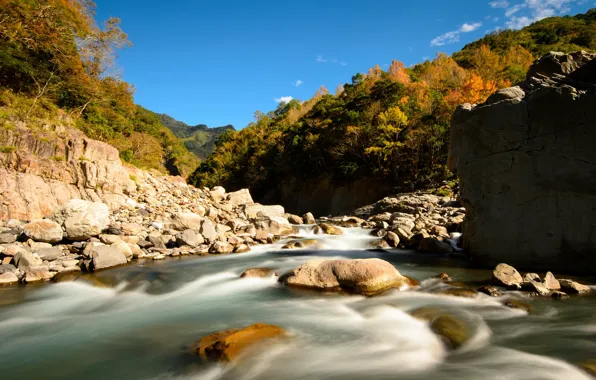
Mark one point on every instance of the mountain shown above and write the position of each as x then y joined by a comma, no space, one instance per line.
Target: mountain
383,132
198,139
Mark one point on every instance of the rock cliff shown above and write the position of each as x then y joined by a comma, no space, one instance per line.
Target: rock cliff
42,169
527,168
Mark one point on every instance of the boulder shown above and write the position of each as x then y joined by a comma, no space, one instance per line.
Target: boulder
295,219
123,248
531,277
309,218
38,274
433,245
207,230
256,210
241,248
528,156
187,220
490,290
452,331
7,238
259,273
82,219
277,226
392,239
105,256
25,260
331,230
131,229
537,287
507,276
8,278
227,345
218,193
573,287
551,282
49,254
189,238
221,247
240,197
359,276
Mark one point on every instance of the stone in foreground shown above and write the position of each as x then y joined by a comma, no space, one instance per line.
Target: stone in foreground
105,256
83,219
359,276
228,345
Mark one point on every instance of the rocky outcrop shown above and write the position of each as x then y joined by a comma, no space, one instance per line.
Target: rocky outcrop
51,166
527,169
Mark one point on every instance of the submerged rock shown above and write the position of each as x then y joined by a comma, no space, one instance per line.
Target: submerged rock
453,331
490,290
359,276
507,276
516,304
259,273
459,292
228,345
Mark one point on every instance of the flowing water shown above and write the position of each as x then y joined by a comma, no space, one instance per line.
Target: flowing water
137,322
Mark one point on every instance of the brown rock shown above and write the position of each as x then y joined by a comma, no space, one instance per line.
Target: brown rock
490,290
572,287
443,277
507,276
551,282
432,245
459,292
227,345
44,230
515,304
360,276
259,273
241,248
331,230
295,219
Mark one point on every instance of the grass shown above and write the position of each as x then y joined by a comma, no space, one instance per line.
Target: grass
59,158
8,149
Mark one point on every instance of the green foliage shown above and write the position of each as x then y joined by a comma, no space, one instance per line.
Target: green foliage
198,139
7,149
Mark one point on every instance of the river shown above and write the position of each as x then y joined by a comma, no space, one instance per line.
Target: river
138,321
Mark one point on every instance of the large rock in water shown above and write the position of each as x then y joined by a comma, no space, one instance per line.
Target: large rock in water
228,345
83,219
360,276
527,169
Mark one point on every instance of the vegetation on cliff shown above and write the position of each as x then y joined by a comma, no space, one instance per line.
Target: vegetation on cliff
53,56
390,126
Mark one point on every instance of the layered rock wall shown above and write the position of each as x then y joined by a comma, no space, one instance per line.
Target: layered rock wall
527,168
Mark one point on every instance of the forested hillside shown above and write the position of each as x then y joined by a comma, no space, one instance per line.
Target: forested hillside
198,139
57,66
390,127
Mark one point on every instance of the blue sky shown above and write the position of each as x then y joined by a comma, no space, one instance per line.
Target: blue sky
217,62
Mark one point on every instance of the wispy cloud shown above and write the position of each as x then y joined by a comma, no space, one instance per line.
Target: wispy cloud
298,83
453,36
322,59
499,4
526,12
284,99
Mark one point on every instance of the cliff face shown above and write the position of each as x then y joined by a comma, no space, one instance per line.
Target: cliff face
527,168
41,169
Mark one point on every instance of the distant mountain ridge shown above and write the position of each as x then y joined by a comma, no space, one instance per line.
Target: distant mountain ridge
198,139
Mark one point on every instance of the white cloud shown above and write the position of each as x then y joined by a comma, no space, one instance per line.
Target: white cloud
298,83
466,28
322,59
453,36
499,4
284,99
529,11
